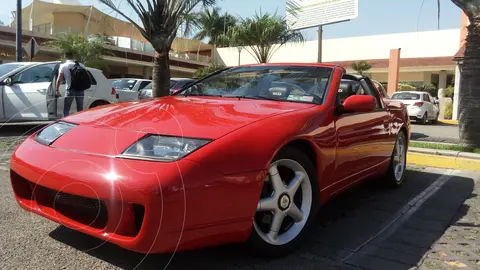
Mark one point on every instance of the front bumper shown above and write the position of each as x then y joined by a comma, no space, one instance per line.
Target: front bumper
143,206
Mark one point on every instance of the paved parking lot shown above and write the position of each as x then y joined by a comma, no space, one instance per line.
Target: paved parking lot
435,133
368,227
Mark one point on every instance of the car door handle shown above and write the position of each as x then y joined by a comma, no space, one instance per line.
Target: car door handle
42,91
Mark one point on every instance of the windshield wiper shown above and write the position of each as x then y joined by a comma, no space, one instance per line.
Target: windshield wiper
251,97
200,95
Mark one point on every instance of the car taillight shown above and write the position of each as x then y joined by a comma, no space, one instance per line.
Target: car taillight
114,92
418,104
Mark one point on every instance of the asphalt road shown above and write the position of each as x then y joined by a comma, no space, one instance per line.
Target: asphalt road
435,133
368,227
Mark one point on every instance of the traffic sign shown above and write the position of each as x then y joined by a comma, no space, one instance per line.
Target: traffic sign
32,48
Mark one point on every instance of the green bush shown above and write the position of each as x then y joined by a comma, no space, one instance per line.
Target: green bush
406,87
448,111
448,92
430,88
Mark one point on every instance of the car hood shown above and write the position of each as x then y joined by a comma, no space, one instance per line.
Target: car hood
123,123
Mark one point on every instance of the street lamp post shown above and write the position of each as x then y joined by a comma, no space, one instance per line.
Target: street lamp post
239,54
18,18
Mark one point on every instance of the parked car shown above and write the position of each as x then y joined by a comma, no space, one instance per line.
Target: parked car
144,175
175,85
422,107
27,91
129,88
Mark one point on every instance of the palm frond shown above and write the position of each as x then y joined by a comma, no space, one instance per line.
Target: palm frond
470,7
161,19
262,35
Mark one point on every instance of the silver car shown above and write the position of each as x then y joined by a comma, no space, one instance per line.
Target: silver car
128,89
27,91
175,84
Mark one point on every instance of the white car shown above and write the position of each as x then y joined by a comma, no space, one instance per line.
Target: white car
129,88
175,84
421,106
28,92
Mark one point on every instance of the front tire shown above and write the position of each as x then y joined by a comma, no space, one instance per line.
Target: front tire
396,171
287,206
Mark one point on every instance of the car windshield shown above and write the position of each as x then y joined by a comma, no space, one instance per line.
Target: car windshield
124,84
6,68
281,83
179,84
406,96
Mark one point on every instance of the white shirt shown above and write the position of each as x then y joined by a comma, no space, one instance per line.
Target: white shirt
65,70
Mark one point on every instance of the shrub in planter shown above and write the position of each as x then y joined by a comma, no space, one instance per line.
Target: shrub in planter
448,92
448,111
406,87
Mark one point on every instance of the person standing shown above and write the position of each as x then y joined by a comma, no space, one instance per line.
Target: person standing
77,81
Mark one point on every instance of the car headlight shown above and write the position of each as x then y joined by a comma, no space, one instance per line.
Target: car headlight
52,132
163,148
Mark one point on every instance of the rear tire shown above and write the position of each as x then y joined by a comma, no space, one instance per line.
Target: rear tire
285,214
434,121
423,120
398,162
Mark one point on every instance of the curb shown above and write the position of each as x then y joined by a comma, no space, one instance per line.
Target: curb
444,159
448,122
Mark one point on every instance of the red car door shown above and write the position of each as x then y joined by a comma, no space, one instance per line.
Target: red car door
363,139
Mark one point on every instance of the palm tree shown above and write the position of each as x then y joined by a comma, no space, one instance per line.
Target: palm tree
212,24
160,20
469,96
361,66
86,49
262,35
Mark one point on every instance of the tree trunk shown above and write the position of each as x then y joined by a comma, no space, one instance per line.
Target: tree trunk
469,96
161,74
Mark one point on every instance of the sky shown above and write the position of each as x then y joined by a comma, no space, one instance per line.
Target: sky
375,17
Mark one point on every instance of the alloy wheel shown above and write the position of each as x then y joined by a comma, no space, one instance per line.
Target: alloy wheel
285,203
399,158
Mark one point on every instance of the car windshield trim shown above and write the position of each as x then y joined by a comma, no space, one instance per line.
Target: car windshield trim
287,83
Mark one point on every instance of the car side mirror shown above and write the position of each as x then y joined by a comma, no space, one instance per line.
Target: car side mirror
8,81
361,103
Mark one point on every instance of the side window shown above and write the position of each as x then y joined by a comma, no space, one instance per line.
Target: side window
380,89
426,98
36,74
370,90
143,84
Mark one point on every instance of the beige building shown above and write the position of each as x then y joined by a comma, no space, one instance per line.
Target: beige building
130,55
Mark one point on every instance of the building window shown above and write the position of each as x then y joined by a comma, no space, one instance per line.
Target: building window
45,28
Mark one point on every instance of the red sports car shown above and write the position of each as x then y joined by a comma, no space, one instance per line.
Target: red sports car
247,154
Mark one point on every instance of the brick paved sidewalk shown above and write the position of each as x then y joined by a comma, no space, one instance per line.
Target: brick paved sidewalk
459,246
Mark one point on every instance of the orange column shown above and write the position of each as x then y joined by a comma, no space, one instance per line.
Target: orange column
393,70
463,29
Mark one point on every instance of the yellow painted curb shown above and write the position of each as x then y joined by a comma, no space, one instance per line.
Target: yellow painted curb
449,122
447,162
